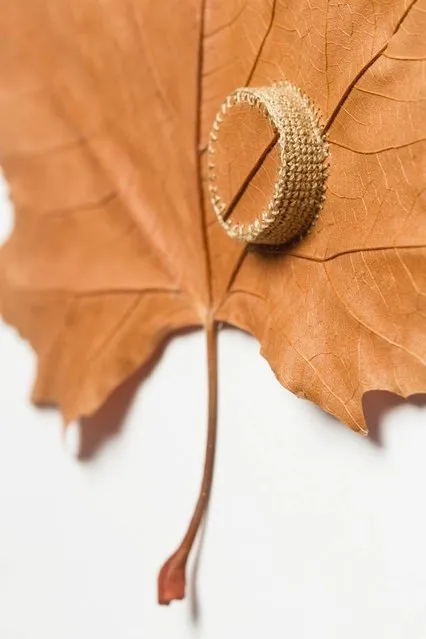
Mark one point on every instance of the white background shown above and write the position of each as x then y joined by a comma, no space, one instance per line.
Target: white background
313,532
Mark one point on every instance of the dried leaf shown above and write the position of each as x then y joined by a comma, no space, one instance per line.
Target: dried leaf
105,111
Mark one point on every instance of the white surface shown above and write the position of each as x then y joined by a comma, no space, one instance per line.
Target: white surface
313,532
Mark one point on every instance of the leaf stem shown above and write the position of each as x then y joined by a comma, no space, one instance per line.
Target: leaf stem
172,580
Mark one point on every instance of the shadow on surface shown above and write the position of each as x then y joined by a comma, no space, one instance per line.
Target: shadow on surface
377,404
194,599
109,419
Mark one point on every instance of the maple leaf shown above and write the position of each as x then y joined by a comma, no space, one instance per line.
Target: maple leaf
105,112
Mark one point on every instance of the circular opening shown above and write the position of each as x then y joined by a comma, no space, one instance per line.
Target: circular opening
266,164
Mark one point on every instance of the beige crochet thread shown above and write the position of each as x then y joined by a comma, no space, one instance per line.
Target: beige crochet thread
299,189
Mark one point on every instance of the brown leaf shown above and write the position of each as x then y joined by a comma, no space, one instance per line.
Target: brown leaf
343,312
105,111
